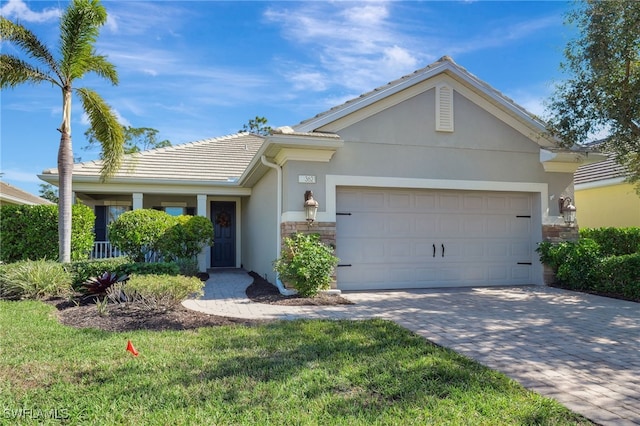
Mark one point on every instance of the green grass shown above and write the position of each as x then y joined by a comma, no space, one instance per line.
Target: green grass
285,373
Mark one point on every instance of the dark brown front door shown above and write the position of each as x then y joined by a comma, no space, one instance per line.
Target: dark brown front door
223,216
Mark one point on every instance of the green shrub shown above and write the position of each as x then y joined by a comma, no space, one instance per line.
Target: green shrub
188,267
162,291
579,269
34,279
138,232
306,263
186,238
158,268
31,232
620,276
83,270
614,241
582,266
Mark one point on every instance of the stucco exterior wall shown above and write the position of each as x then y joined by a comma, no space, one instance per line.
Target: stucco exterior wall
260,227
608,206
401,142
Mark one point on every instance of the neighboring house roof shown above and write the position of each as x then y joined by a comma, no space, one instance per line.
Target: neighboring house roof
443,65
221,159
9,194
596,172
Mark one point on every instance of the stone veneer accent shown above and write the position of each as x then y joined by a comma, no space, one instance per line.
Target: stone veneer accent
555,233
327,230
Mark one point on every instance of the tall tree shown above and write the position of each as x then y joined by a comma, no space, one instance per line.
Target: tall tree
136,139
49,192
257,126
79,30
603,91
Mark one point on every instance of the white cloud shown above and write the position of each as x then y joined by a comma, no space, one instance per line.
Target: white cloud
18,9
356,47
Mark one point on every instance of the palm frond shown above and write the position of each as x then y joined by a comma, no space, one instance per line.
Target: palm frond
107,129
79,30
29,43
103,68
15,71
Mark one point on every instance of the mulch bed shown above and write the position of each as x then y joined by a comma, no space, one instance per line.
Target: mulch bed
83,312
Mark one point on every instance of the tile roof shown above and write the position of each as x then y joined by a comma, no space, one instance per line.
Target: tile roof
221,159
603,170
11,195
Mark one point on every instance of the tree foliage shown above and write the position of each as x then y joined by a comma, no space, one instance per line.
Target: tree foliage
603,90
136,139
257,126
79,29
48,192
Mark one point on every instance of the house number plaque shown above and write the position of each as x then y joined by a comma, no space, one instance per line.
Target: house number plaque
306,179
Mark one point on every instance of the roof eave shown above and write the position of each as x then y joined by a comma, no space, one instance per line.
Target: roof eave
284,138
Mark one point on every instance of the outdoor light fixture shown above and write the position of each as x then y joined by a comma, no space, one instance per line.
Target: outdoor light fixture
567,210
310,207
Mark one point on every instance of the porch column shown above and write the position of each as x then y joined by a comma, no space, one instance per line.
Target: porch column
201,210
137,200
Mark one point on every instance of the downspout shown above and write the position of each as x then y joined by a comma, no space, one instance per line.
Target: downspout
284,291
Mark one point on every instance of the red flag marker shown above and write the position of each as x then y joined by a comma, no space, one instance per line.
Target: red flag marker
131,349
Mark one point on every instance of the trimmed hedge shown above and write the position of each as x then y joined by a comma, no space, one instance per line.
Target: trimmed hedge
607,264
614,241
31,232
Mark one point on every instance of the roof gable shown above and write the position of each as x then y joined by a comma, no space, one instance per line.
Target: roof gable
444,71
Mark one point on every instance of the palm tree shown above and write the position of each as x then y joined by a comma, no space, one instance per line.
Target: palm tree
79,29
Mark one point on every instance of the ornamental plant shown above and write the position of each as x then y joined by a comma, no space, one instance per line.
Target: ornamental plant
186,238
138,232
100,284
306,263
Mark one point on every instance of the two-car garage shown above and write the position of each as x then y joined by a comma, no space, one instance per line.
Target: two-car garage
419,238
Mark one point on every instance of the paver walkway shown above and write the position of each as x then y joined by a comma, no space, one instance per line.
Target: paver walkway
582,350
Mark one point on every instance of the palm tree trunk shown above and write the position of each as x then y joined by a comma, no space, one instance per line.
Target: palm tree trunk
65,172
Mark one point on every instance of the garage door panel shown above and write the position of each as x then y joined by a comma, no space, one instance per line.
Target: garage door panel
390,235
401,226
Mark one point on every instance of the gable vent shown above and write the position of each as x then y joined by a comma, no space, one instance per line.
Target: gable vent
444,108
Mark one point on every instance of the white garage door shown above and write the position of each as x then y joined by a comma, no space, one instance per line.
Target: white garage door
408,238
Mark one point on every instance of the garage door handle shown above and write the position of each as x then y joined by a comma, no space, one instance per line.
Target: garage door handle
442,250
434,250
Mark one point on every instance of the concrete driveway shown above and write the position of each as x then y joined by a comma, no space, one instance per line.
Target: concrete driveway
582,350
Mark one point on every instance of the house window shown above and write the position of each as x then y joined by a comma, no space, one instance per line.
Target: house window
174,211
104,216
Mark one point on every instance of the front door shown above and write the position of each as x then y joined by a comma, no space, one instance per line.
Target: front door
223,216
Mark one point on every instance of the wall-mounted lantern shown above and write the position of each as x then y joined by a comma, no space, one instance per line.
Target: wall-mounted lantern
567,210
310,207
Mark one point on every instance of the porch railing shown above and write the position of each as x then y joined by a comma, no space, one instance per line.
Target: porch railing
104,250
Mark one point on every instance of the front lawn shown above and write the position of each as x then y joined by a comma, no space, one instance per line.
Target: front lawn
282,373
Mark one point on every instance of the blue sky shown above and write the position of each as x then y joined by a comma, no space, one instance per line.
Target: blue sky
200,69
